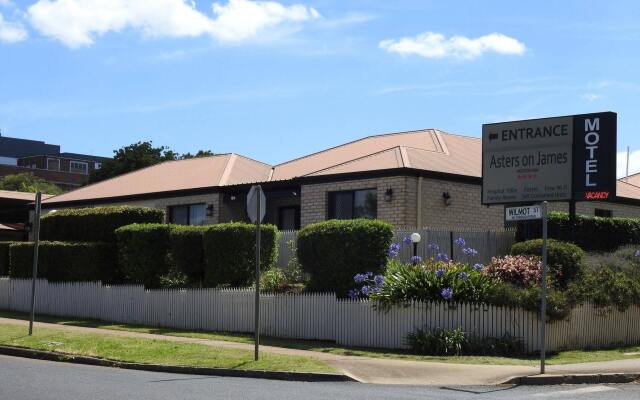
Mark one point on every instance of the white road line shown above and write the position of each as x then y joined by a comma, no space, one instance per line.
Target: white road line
582,390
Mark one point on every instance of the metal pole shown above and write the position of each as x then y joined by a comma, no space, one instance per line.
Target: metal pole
572,221
543,294
36,244
415,249
257,312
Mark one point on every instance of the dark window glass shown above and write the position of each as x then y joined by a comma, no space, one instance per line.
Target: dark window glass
365,204
353,204
603,213
192,214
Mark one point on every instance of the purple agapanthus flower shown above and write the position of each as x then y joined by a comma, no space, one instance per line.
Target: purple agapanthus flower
365,290
478,267
447,293
433,246
407,240
442,257
637,253
394,248
469,251
463,275
416,259
359,278
378,280
439,272
353,294
460,242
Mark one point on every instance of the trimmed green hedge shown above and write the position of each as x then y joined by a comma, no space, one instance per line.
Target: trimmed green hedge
229,251
63,262
565,260
142,249
186,252
332,252
592,233
4,258
94,224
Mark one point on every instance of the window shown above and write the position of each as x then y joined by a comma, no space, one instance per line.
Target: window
289,218
353,204
191,214
97,165
53,164
78,167
599,212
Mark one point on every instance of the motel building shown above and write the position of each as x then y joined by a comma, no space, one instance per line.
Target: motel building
425,178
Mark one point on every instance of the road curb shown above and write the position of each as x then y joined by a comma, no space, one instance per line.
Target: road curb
174,369
573,379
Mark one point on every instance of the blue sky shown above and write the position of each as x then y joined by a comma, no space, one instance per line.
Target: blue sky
276,80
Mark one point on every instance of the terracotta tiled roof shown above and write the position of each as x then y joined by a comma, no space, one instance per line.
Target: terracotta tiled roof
194,173
429,150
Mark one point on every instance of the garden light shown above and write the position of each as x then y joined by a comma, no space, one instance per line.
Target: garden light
415,238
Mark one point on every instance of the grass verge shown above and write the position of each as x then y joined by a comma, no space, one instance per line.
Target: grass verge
564,357
149,351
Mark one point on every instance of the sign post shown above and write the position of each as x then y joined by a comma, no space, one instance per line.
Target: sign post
36,244
543,294
527,213
256,209
571,158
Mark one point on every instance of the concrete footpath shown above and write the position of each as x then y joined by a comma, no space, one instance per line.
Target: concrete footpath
389,371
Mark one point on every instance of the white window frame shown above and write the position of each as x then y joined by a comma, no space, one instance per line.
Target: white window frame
85,170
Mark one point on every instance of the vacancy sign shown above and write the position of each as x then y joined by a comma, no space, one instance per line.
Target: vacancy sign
522,213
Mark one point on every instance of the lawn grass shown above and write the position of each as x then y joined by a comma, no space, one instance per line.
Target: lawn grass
150,351
564,357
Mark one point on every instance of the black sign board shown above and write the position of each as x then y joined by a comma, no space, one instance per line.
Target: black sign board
594,156
550,159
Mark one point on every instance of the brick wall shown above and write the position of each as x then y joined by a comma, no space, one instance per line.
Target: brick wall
465,210
588,208
314,199
164,204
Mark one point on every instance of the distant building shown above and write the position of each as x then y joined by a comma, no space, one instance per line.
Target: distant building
66,170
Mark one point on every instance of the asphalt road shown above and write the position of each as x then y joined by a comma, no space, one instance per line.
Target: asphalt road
25,379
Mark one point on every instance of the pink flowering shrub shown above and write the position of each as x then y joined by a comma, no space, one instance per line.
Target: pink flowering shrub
522,271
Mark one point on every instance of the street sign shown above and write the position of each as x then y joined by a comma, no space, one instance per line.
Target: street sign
252,204
549,159
522,213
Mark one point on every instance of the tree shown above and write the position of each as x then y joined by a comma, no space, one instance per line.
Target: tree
136,156
27,182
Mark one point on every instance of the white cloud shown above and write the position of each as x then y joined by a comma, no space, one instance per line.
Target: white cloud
77,23
11,32
621,163
591,96
242,19
436,45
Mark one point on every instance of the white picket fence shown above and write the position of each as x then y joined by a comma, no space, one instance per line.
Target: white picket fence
315,316
488,244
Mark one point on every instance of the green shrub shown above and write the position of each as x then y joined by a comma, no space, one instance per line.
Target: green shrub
622,260
565,260
94,224
446,342
143,253
63,262
332,252
229,251
4,258
432,280
606,287
272,280
186,253
592,233
437,342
